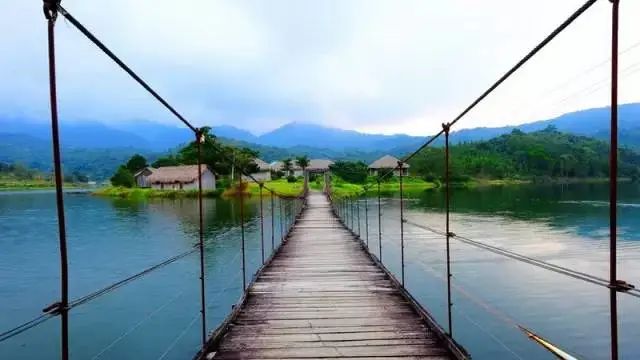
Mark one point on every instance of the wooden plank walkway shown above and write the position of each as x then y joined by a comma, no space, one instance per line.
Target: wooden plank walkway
323,296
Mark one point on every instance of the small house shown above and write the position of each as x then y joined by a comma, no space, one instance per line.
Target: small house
183,177
386,164
263,173
142,177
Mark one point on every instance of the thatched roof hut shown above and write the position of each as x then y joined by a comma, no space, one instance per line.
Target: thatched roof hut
387,162
318,165
175,174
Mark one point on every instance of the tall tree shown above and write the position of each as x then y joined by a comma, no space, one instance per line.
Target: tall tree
303,162
136,163
123,177
287,166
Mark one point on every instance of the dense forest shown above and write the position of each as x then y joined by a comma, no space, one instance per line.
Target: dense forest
544,153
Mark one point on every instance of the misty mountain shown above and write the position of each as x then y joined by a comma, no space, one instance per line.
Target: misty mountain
36,153
589,122
317,136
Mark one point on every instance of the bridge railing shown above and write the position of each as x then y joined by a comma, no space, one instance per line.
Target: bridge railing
349,208
277,211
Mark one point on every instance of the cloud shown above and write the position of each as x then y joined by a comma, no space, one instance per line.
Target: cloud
379,66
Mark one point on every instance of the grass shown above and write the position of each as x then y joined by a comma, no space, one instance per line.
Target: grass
345,189
280,186
13,184
145,193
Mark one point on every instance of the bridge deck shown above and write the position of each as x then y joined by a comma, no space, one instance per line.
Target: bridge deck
322,296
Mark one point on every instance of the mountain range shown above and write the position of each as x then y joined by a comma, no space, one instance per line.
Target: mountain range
28,141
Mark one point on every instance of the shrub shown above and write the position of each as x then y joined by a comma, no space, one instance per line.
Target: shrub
123,177
291,179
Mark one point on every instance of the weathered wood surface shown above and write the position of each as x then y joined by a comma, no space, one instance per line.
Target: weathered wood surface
323,297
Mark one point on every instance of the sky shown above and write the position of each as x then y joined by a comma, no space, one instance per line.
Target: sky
374,66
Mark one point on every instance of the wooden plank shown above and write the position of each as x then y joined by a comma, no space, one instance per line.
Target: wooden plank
321,296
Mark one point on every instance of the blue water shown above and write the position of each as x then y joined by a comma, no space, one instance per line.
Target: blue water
110,239
563,224
158,315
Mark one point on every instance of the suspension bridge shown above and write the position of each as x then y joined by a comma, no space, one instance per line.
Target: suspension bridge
322,293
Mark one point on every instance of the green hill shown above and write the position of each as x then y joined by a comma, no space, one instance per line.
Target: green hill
544,153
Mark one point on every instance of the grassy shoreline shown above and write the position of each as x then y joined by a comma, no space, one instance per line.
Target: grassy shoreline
340,188
25,185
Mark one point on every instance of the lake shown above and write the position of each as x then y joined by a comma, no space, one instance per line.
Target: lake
157,315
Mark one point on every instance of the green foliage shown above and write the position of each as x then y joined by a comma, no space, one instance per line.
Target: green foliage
123,177
303,161
287,165
291,179
545,153
169,160
351,171
219,157
136,163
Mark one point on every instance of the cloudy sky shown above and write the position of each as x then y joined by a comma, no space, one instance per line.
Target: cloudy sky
374,66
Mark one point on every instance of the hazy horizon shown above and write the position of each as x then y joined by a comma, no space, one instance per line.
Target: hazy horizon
372,66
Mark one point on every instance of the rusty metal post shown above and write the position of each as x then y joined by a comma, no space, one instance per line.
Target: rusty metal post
199,140
352,216
273,225
358,213
401,167
613,183
244,269
366,218
281,226
447,195
379,225
261,224
51,13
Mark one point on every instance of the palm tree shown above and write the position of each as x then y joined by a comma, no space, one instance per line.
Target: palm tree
303,162
287,166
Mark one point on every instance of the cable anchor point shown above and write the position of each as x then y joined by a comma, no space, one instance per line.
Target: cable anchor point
50,9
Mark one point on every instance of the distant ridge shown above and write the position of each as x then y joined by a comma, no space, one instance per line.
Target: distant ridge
144,134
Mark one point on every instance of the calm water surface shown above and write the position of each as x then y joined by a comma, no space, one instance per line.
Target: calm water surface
157,316
563,224
110,239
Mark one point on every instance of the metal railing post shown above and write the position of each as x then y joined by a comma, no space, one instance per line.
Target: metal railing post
358,213
244,270
447,181
352,215
401,167
51,13
379,225
261,224
273,225
281,219
366,218
199,140
613,182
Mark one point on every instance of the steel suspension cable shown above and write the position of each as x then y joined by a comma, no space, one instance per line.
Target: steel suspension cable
120,283
529,260
575,15
122,65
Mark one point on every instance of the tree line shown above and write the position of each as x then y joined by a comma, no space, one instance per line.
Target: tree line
222,158
545,153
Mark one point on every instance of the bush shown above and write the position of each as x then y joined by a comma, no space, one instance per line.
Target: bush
430,178
291,179
123,177
223,183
